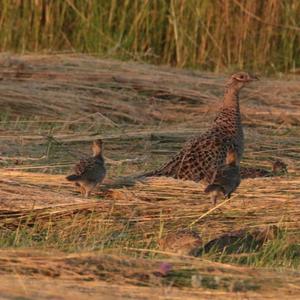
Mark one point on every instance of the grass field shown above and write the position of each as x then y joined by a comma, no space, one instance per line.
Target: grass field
208,35
115,244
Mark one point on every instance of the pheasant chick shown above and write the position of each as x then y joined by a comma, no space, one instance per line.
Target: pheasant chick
225,180
91,171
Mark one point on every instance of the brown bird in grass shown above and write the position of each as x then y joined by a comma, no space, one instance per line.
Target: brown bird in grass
225,180
90,171
204,155
278,168
183,241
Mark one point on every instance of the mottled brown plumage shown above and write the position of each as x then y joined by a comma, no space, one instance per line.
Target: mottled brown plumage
202,156
90,171
279,167
183,241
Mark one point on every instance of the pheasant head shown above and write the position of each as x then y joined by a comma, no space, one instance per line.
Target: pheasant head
240,79
97,147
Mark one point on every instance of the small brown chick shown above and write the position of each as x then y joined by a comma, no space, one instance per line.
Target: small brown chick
278,168
183,242
225,182
90,171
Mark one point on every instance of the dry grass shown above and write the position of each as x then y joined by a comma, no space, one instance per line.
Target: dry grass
136,278
55,105
149,204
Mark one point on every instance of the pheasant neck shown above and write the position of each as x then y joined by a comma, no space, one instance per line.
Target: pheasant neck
231,98
97,152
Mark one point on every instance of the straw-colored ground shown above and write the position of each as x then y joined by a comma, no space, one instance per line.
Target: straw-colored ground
110,244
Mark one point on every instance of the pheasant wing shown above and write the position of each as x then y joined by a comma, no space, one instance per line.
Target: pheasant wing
199,159
83,166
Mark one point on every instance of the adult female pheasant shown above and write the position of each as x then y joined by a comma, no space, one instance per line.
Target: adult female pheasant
202,156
